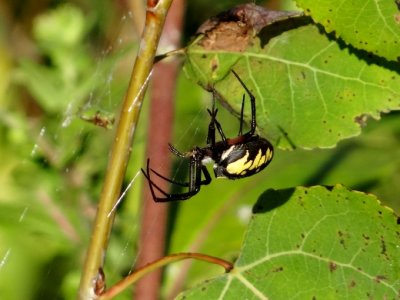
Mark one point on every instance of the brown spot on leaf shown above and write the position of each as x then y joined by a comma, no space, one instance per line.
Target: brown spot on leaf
366,239
277,269
397,18
332,266
352,284
214,64
342,239
383,248
361,120
379,278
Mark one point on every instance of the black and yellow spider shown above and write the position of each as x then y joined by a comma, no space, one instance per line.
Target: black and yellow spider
234,158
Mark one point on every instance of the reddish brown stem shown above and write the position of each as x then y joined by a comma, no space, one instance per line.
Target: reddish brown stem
154,215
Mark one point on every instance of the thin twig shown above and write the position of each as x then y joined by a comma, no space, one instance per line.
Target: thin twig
132,278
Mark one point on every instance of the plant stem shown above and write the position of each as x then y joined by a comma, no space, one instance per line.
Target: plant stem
120,152
132,278
153,235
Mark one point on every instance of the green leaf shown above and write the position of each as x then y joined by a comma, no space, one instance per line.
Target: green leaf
371,25
310,91
45,85
67,19
313,243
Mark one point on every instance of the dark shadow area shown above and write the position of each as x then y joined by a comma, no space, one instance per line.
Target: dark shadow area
368,57
52,278
326,168
366,185
198,11
272,199
279,27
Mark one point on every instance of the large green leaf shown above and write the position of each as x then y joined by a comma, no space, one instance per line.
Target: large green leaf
314,243
225,205
371,25
310,90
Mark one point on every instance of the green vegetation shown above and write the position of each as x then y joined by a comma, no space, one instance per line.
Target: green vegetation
327,95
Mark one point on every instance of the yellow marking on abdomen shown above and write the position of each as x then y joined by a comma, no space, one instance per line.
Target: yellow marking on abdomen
256,161
269,154
240,165
262,160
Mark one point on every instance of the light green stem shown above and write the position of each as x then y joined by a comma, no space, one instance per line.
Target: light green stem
120,152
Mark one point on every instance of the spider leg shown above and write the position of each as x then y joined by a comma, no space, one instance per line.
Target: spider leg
153,186
211,127
253,104
194,184
184,184
180,154
176,151
221,133
195,170
151,183
214,123
241,118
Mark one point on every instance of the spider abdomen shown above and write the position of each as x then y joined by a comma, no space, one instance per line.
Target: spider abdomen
244,159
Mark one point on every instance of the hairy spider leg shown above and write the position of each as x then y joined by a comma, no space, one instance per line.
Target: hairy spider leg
253,104
176,151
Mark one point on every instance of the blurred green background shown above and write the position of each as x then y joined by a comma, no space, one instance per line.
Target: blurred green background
65,65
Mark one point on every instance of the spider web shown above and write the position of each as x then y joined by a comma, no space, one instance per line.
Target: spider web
60,160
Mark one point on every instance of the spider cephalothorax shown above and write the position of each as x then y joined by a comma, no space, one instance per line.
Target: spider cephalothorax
234,158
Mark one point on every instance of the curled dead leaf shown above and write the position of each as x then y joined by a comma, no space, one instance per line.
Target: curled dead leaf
233,29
